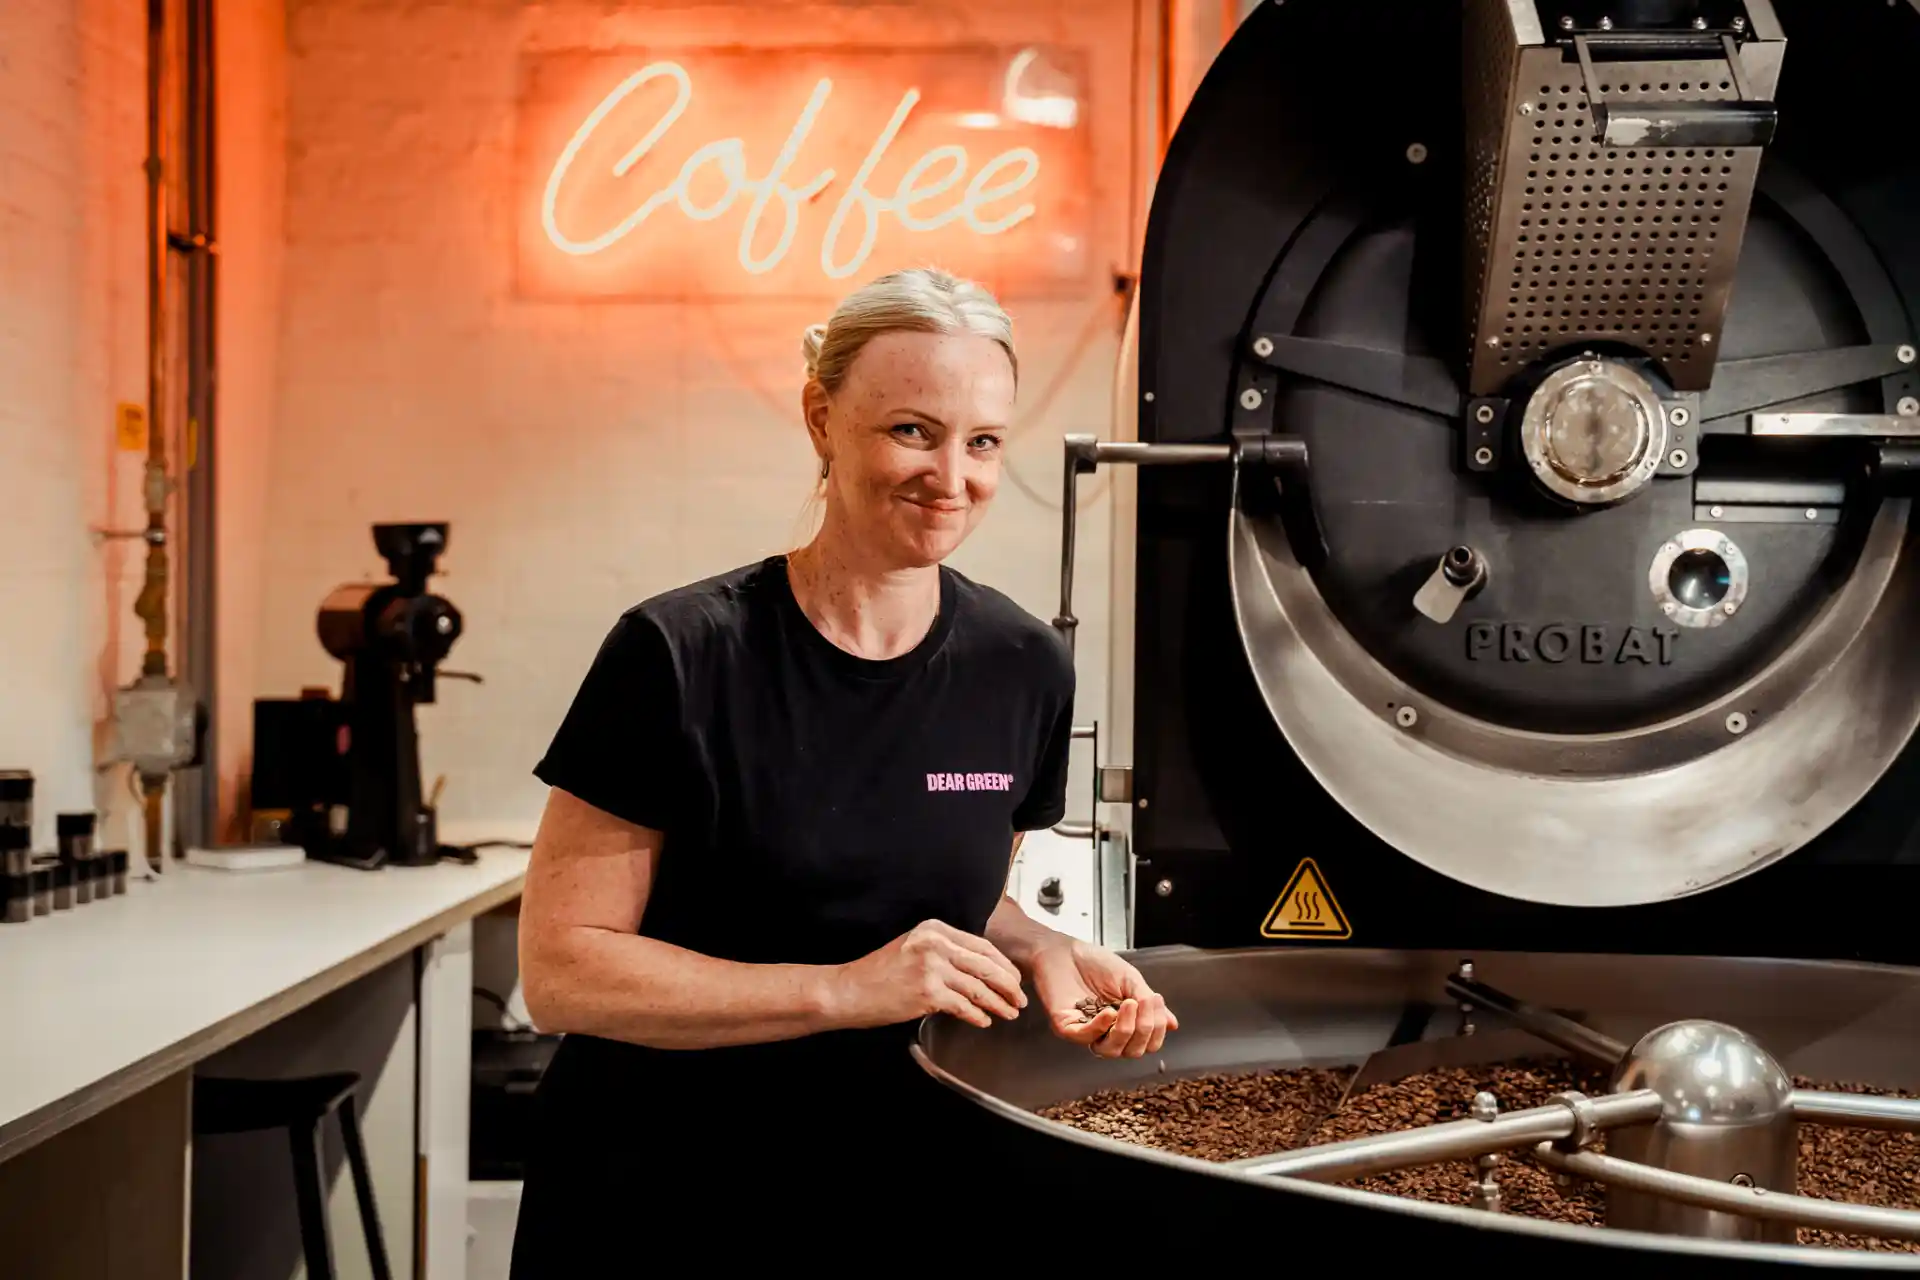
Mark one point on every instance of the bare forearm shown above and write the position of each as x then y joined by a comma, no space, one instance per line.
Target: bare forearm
1017,935
643,991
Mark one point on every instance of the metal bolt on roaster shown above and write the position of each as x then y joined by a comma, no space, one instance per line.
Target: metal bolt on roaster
1486,1189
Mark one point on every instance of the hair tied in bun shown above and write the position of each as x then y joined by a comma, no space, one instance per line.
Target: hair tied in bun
810,343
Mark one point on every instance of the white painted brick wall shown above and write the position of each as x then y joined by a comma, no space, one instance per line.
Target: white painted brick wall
587,456
72,325
73,345
252,77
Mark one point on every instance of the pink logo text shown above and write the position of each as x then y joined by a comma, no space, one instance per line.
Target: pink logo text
969,782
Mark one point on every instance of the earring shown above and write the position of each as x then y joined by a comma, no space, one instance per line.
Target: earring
823,468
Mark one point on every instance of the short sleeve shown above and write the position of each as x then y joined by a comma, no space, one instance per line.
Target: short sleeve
1045,803
621,747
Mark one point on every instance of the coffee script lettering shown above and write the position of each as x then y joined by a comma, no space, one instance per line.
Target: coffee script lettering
929,178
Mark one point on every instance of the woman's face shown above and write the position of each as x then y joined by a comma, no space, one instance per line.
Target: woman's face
913,439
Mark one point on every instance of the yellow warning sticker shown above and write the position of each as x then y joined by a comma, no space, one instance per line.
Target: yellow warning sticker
1306,908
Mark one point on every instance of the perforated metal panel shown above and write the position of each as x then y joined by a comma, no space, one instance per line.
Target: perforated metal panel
1572,241
1492,46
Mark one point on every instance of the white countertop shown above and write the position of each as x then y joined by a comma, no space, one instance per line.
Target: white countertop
102,1001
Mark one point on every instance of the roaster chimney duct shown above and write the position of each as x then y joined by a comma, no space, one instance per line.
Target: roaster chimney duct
1612,150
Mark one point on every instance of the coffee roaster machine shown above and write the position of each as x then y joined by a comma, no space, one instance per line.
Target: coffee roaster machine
1526,621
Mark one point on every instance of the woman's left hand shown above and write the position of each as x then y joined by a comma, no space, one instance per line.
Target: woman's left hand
1130,1020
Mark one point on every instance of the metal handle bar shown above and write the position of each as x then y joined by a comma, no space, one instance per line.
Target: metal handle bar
1573,1118
1091,827
1562,1033
1566,1116
1616,123
1856,1111
1084,454
1751,1202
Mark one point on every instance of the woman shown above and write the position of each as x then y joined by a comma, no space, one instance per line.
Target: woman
784,805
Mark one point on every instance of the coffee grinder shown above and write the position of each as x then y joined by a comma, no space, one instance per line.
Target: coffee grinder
346,772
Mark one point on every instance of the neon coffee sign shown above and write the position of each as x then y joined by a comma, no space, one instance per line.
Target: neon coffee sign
590,208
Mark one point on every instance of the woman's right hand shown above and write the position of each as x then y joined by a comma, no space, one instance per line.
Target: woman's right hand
933,968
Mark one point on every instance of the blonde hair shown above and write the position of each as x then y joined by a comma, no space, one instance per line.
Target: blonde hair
917,300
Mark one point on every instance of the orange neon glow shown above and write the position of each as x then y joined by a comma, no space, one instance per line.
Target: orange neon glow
768,173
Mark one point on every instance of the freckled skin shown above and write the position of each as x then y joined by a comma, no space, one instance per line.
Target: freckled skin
913,439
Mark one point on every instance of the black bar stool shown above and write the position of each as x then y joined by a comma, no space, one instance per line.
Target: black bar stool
299,1107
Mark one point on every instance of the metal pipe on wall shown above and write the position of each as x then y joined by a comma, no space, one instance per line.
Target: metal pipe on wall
1192,34
198,800
160,726
151,606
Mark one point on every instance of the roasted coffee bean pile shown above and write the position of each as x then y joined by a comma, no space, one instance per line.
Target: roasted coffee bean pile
1861,1165
1231,1117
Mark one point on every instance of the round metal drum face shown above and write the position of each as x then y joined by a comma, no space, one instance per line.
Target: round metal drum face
1668,680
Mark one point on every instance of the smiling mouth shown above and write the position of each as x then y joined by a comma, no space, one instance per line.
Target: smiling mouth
938,508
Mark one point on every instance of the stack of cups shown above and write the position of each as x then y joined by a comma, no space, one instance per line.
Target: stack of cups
78,866
16,846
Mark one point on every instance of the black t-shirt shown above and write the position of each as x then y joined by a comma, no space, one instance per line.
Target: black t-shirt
815,806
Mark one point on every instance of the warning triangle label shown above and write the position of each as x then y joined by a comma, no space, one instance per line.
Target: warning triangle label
1306,908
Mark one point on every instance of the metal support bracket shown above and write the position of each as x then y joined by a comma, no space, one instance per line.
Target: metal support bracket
1896,469
1292,495
1747,386
1417,382
1484,429
1836,426
1683,436
1483,433
185,243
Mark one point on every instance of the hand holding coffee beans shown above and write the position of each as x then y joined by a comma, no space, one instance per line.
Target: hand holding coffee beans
933,968
1097,999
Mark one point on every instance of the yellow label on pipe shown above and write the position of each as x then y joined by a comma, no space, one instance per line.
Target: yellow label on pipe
130,427
193,442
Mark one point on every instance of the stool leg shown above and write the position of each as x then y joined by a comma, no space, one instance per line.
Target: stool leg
363,1190
309,1176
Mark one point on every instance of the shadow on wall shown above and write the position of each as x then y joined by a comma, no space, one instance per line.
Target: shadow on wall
245,1225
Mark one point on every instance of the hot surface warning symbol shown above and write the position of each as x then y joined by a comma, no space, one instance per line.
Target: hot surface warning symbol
1306,909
